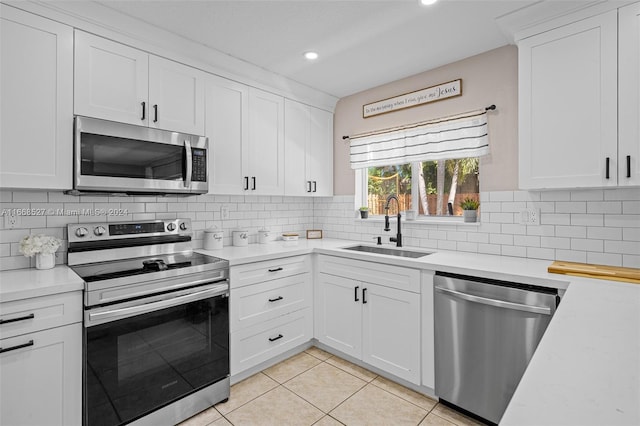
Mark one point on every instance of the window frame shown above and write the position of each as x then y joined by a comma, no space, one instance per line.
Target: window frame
361,199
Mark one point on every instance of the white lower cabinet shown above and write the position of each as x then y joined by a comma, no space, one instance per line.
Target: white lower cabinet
271,310
41,368
361,313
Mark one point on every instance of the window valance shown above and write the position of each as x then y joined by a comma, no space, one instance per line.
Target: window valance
460,136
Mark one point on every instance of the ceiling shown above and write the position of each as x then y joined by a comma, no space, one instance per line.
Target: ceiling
362,44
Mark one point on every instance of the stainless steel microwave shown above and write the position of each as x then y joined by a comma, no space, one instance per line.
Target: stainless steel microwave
114,157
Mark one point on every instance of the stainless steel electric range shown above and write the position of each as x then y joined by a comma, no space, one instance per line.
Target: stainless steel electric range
156,322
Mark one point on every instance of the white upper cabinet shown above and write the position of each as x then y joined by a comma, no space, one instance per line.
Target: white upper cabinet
308,150
111,80
568,105
36,101
629,96
263,163
226,126
119,83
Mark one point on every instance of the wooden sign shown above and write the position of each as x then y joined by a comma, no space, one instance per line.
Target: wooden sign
442,91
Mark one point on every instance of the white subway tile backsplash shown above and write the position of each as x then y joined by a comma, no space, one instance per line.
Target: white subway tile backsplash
604,258
577,225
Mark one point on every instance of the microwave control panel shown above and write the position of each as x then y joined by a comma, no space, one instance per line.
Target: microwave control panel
199,165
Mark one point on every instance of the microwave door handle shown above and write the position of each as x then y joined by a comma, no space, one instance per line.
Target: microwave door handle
188,157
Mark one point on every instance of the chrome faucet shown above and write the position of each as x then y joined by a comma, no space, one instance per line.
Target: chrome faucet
398,237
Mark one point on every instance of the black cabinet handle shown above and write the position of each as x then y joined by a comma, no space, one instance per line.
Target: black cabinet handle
155,113
26,317
144,111
253,183
275,270
355,294
246,183
628,166
273,339
606,175
308,186
364,295
276,299
314,186
13,348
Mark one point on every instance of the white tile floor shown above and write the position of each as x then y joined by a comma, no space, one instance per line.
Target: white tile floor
317,388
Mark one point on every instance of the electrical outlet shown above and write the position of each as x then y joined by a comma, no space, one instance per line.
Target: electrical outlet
224,212
530,216
11,221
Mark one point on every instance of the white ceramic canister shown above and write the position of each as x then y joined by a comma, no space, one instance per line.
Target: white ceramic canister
213,239
241,238
264,236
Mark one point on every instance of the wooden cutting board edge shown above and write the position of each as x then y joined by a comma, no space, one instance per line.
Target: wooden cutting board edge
602,272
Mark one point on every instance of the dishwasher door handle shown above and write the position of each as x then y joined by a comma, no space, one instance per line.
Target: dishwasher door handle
497,303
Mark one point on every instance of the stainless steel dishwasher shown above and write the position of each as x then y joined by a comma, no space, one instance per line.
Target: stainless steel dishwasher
486,331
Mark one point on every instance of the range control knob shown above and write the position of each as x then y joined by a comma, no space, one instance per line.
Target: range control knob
183,226
99,231
81,232
171,226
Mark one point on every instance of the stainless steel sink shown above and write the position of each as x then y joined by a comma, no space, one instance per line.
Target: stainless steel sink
389,251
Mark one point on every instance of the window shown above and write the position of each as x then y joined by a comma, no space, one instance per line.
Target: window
431,188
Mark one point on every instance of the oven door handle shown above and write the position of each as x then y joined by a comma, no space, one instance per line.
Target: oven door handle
117,313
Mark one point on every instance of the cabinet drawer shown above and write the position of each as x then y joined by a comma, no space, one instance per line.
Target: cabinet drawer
39,313
257,303
371,272
253,345
252,273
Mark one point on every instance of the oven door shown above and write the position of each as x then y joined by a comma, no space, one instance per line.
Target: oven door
144,354
118,157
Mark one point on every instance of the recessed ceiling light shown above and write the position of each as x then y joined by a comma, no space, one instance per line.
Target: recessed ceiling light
311,55
428,2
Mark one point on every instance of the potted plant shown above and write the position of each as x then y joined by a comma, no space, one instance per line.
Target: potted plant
470,209
43,247
364,212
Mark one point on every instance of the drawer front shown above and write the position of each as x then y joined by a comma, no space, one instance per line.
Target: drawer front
253,345
371,272
252,273
257,303
39,313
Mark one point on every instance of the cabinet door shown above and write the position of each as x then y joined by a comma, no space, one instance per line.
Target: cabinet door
391,331
297,131
568,105
338,314
320,152
176,96
226,126
265,157
36,101
111,80
41,384
629,95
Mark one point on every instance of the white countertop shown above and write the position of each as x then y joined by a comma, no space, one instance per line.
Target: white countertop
586,370
26,283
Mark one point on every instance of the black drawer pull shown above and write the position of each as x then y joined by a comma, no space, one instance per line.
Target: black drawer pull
273,339
275,270
13,348
364,295
314,186
7,321
628,166
276,299
144,111
246,183
355,294
155,113
308,186
607,169
253,183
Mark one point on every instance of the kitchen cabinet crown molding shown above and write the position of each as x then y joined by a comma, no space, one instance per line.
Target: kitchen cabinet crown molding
100,20
545,15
